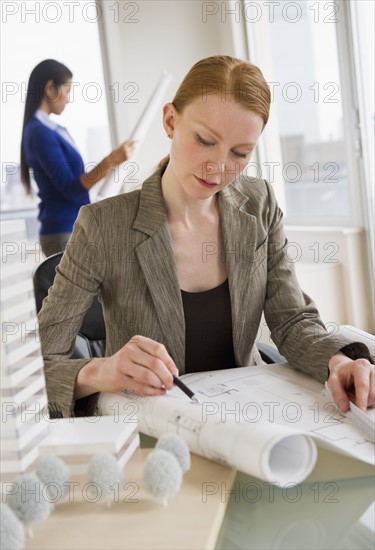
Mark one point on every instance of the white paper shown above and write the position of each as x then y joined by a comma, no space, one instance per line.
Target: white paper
263,421
112,182
285,397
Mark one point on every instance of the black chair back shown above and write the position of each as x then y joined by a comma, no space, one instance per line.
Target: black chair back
90,340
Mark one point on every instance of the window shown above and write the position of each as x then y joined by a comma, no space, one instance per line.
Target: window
310,111
318,57
298,43
363,35
68,32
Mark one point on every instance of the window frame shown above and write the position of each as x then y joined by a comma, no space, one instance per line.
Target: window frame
259,52
256,37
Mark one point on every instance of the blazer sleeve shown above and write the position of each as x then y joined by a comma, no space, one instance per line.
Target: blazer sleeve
78,279
49,158
292,316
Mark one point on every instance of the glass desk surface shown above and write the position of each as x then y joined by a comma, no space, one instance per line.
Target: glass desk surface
336,513
333,509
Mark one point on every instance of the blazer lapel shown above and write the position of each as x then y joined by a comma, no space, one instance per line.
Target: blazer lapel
155,256
239,230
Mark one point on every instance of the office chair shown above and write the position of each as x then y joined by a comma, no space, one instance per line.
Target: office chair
90,340
269,354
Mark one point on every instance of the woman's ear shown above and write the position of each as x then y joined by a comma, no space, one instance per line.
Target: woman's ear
169,118
50,90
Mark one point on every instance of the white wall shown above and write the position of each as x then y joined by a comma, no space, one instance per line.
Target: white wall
169,35
172,35
330,263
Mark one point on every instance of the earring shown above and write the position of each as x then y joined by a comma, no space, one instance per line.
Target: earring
170,136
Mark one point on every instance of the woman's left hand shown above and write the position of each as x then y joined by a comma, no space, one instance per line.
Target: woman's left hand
351,381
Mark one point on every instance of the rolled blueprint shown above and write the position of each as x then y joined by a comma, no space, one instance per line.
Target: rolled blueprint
113,182
265,421
273,453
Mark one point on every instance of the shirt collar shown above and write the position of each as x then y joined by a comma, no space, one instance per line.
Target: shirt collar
43,117
46,120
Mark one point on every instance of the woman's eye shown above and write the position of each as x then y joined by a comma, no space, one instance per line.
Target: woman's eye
203,141
240,155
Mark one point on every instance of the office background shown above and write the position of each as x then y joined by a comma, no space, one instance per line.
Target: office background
316,150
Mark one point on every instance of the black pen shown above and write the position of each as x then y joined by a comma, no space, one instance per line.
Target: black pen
185,389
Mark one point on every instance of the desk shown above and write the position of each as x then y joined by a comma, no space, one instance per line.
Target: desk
217,508
141,522
321,513
232,511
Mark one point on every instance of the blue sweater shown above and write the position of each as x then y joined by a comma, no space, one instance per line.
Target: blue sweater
57,167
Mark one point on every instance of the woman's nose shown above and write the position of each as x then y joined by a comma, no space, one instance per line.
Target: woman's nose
213,167
217,163
221,163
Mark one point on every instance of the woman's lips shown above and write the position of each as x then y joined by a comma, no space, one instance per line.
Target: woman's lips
205,183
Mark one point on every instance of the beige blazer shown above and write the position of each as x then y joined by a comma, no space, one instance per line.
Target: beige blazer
121,248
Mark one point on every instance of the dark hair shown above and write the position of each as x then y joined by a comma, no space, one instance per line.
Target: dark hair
46,70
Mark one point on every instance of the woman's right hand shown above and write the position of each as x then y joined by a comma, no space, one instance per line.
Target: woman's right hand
122,153
142,366
116,157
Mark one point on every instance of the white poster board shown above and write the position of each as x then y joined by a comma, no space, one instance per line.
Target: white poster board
112,183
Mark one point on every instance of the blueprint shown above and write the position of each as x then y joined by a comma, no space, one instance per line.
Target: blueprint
263,420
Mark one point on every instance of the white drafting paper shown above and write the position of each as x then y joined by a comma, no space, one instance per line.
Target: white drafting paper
273,453
112,183
263,420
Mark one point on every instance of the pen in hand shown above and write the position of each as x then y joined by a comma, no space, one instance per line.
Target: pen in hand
185,389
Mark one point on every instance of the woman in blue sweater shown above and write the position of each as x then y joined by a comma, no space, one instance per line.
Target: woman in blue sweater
50,152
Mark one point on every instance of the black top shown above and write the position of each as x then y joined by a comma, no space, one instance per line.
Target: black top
208,332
